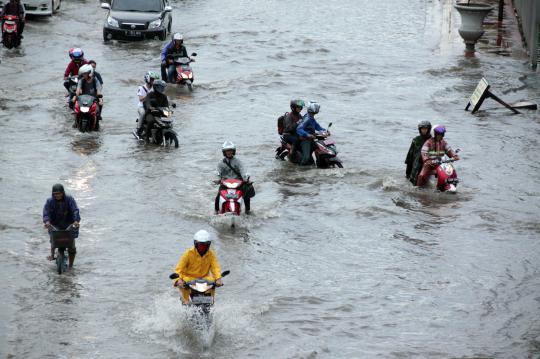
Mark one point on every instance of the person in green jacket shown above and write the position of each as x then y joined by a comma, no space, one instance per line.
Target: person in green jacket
414,159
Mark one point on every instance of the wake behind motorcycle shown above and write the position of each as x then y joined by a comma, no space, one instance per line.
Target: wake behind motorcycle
184,73
162,128
323,148
86,113
10,32
201,292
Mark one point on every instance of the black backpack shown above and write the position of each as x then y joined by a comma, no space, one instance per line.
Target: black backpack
281,123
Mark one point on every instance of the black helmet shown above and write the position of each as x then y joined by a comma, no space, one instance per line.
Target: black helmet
159,86
58,188
424,124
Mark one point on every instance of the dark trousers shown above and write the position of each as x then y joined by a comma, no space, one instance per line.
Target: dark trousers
149,119
307,147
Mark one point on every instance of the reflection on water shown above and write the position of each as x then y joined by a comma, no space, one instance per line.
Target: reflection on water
86,144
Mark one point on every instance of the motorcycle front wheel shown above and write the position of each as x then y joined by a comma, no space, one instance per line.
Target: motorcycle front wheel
172,138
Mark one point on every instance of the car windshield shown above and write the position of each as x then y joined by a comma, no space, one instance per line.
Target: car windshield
137,5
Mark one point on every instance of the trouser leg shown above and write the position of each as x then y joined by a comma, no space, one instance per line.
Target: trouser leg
164,71
185,295
140,121
423,177
149,124
216,202
171,74
306,152
247,203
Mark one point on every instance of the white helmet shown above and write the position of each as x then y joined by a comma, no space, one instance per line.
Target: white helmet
228,145
86,69
202,236
313,107
178,36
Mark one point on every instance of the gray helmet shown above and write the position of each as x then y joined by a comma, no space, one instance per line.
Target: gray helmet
228,145
160,86
424,124
313,107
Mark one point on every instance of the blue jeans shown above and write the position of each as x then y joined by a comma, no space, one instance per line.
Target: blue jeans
171,73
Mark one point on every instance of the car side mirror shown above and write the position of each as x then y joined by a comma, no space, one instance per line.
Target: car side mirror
174,276
105,6
194,54
168,8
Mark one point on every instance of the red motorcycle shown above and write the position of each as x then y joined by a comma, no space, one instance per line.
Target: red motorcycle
86,116
184,73
10,32
446,175
231,197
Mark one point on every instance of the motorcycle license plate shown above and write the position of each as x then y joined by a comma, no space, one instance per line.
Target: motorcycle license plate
134,33
202,300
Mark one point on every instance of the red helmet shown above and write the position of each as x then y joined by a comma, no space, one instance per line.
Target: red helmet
76,54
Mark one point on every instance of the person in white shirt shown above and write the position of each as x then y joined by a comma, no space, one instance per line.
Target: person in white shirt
142,92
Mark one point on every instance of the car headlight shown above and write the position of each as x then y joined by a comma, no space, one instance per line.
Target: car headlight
112,21
155,24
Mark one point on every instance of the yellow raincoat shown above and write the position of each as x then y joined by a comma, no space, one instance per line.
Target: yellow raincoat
192,266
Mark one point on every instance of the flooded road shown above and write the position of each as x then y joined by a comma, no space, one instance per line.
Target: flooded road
339,263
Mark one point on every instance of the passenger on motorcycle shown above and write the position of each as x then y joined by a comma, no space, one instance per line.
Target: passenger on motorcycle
14,8
97,75
153,100
142,92
77,60
231,167
432,151
290,123
414,158
89,85
198,262
61,211
173,49
306,131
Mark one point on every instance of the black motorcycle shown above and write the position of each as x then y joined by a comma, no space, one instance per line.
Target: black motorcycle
162,132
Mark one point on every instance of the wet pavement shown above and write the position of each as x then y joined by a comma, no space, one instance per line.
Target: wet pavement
339,263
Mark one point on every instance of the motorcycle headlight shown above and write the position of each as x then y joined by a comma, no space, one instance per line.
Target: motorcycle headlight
85,109
184,76
155,24
112,22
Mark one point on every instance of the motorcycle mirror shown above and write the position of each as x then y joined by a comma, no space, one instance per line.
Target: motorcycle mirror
330,125
458,150
225,273
194,54
174,276
173,105
100,96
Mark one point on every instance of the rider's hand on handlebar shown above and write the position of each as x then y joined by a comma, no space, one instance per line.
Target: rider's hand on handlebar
179,283
47,224
219,282
75,224
311,137
216,181
455,158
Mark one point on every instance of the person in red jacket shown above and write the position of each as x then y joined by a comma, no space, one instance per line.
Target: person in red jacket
432,151
77,60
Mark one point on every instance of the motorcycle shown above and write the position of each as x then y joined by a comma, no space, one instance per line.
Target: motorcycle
162,130
324,149
231,197
86,113
184,73
447,179
201,293
10,32
61,240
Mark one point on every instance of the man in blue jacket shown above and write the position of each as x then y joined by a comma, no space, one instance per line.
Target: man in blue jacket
61,211
306,131
173,49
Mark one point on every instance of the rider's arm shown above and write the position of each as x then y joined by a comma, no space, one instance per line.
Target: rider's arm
46,214
68,71
182,264
98,87
73,208
214,265
240,168
164,52
317,126
219,172
424,151
448,150
300,129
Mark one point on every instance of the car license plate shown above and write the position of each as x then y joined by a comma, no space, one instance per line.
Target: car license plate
134,33
202,300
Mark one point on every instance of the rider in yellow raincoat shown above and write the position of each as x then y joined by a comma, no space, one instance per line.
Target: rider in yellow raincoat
198,262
